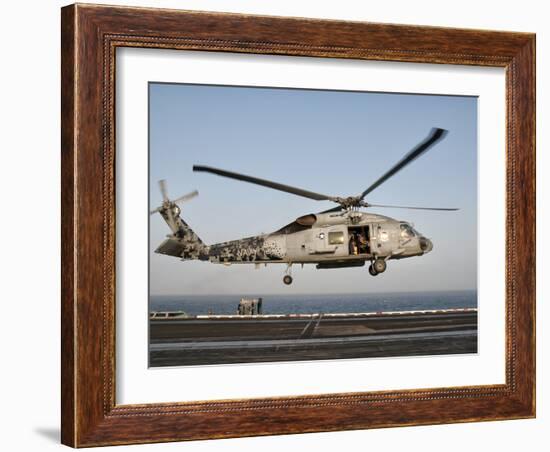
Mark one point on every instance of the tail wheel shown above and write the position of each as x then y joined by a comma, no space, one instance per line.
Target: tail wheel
379,265
372,271
287,279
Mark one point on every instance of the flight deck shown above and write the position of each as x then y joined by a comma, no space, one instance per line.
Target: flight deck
179,340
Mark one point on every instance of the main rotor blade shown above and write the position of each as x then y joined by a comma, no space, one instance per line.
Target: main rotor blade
186,197
264,183
435,135
163,190
415,208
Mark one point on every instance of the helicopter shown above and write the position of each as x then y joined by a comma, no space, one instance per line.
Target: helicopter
343,236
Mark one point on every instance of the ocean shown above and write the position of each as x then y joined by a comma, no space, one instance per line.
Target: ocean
317,303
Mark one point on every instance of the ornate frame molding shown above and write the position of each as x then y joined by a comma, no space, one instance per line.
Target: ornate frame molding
90,36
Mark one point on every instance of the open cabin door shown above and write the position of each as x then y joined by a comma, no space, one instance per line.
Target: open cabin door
359,240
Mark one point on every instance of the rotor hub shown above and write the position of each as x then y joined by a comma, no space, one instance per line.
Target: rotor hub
350,202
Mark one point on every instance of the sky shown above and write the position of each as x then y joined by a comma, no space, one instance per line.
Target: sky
332,142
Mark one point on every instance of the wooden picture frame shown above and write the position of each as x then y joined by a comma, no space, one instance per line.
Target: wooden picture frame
90,36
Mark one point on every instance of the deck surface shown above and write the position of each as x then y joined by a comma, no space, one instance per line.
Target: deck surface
245,339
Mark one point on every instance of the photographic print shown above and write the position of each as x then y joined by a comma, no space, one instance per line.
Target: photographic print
298,224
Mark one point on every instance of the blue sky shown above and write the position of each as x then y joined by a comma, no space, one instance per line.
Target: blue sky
332,142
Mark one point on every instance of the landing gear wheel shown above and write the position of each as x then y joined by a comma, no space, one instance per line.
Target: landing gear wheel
287,279
379,265
372,271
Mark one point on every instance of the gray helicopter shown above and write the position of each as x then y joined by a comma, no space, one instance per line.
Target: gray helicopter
336,238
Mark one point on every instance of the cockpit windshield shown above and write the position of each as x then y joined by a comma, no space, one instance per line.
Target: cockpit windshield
407,231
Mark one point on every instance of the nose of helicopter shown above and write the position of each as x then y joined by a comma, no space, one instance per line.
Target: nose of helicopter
426,245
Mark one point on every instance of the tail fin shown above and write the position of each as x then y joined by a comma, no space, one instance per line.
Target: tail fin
183,242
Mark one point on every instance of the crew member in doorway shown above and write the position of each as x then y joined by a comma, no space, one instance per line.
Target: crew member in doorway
362,243
352,244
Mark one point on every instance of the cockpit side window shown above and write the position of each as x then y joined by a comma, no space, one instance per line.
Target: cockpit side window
407,231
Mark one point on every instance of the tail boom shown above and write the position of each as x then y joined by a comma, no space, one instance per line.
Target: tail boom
184,242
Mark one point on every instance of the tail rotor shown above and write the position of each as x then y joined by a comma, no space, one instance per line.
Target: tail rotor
163,189
186,197
169,209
